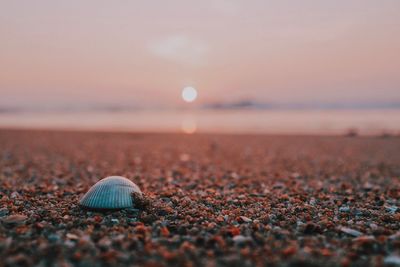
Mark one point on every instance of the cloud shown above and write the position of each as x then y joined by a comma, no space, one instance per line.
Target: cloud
181,49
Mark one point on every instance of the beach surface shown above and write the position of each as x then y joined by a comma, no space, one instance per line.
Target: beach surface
216,200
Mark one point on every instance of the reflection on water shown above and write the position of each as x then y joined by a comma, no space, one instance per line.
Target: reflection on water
227,121
189,125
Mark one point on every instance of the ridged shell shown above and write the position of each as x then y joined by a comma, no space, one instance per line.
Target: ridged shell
113,192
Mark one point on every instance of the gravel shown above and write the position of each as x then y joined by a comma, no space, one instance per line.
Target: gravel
209,200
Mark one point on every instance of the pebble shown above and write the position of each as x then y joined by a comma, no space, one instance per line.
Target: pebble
105,242
240,239
344,209
4,212
72,236
245,219
364,239
350,231
14,195
373,226
14,219
392,209
53,238
395,236
392,261
132,211
69,243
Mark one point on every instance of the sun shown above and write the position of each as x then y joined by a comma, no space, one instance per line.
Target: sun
189,94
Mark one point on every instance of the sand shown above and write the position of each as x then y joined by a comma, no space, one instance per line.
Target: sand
215,200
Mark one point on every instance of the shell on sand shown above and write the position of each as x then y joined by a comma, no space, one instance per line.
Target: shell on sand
113,192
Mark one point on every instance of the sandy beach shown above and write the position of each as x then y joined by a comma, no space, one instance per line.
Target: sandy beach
217,200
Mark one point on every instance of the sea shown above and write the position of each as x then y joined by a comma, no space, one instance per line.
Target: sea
240,121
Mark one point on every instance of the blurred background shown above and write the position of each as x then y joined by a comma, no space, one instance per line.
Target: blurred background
313,67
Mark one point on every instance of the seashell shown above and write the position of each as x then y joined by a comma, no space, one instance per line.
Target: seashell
110,193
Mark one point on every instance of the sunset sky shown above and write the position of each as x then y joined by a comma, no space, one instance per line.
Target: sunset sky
144,52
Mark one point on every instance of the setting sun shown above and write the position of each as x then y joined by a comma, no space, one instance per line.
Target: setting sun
189,94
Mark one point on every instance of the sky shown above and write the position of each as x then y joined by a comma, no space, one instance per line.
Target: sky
142,53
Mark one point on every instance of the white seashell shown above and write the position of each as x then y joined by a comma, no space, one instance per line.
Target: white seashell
113,192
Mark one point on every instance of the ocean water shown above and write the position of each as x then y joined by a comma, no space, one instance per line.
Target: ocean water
214,121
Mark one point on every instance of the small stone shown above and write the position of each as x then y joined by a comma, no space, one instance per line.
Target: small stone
69,244
114,221
234,175
234,231
295,175
53,238
12,220
14,194
311,228
17,260
98,218
4,212
392,209
365,239
392,261
350,231
367,186
326,252
373,226
220,219
164,231
105,242
395,236
290,250
72,236
131,220
240,239
184,157
132,211
278,185
344,209
244,219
